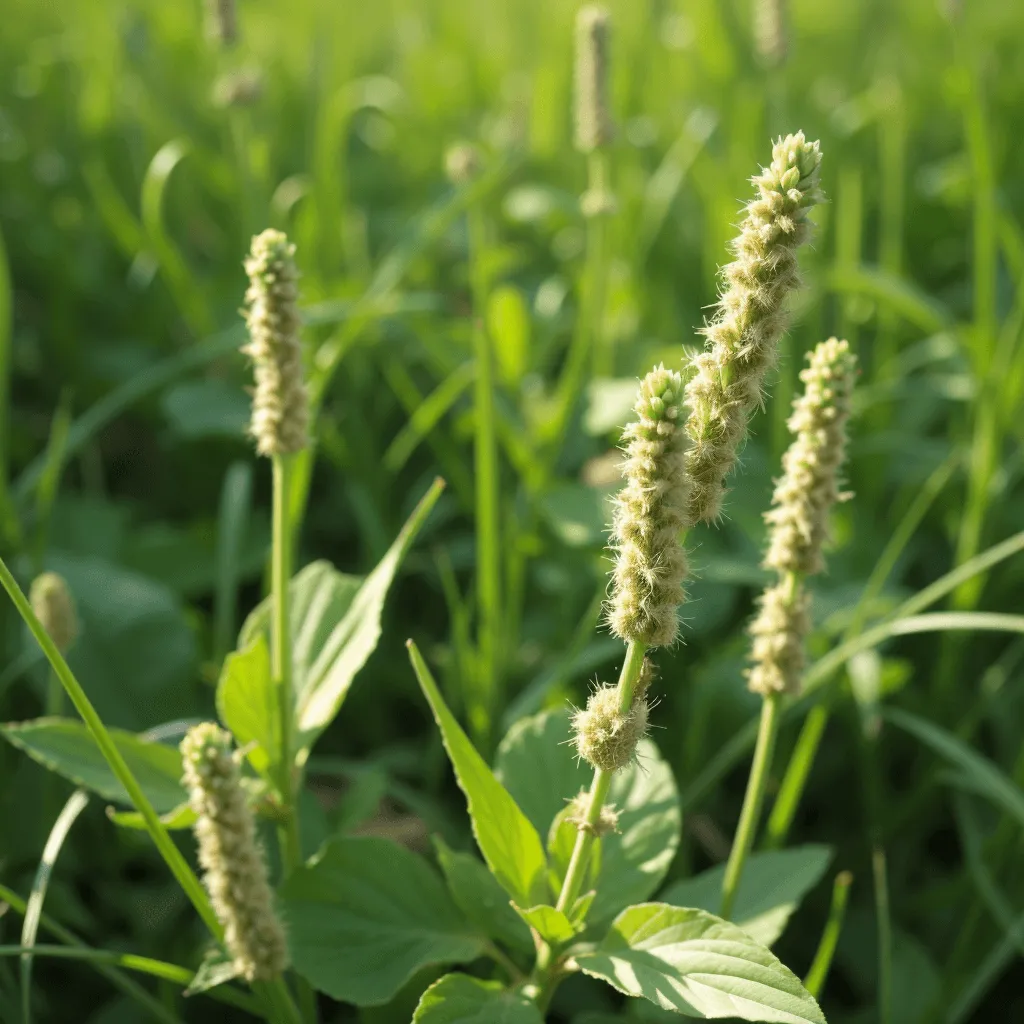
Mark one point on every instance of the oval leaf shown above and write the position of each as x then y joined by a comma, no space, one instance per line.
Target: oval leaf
509,843
460,999
335,621
247,704
67,748
365,914
773,884
697,964
550,924
541,772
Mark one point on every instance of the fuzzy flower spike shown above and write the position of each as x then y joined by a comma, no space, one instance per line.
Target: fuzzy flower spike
798,518
742,339
232,859
594,126
650,512
280,405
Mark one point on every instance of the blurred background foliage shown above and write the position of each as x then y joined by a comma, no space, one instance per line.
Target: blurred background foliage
137,157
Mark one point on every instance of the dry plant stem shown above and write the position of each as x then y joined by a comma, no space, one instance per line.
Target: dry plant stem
487,489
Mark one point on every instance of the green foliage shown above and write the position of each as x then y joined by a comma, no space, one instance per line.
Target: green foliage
459,999
365,914
773,884
698,965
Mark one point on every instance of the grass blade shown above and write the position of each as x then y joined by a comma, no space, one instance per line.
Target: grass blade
30,926
816,976
232,523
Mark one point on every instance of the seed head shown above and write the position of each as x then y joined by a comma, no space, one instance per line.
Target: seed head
222,22
809,486
607,822
229,852
54,607
606,737
594,127
280,406
770,31
462,163
728,376
650,512
778,632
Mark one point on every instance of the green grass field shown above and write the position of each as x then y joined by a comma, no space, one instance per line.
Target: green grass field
137,159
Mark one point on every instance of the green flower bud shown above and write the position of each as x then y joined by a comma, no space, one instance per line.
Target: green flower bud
594,127
607,822
280,406
54,607
604,735
809,486
231,856
222,22
778,633
728,376
462,163
650,512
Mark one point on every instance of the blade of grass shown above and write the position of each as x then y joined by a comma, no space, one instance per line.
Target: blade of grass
116,977
9,528
818,973
30,925
144,965
232,523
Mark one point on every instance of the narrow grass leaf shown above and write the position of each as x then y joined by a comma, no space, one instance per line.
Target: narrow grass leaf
365,914
773,884
67,748
699,965
460,999
988,780
509,842
76,803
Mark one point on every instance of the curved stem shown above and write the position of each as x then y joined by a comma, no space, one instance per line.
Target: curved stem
172,856
747,828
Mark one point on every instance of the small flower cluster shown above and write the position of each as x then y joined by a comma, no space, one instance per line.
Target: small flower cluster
650,513
229,852
803,498
605,735
280,406
742,340
54,607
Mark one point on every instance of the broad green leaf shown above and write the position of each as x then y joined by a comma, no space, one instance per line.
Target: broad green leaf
506,838
460,999
542,773
67,748
479,896
550,924
986,779
773,884
247,704
364,914
180,817
335,621
697,964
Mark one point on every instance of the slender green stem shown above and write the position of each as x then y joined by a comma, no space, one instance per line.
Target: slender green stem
281,668
749,816
576,871
161,839
884,926
816,976
797,772
488,538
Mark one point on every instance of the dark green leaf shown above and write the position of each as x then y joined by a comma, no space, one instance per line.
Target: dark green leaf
67,747
365,914
506,838
460,999
773,884
480,897
699,965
